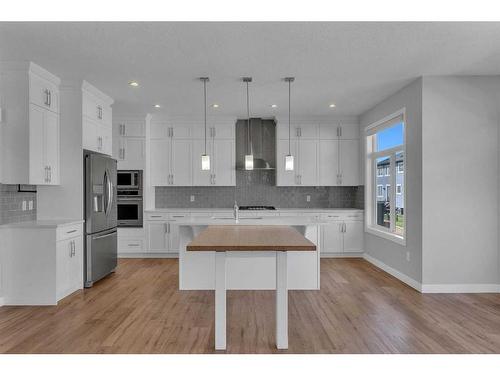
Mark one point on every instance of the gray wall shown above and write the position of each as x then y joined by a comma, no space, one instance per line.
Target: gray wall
11,205
389,252
258,188
460,184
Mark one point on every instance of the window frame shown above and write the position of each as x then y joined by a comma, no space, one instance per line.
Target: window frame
382,190
371,173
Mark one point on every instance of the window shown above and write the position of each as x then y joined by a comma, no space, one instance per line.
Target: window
385,175
380,191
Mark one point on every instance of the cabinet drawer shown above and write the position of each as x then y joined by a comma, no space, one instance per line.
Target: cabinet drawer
331,216
358,216
43,93
157,216
130,245
68,231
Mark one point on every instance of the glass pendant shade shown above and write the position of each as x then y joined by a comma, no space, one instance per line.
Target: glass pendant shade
205,162
288,163
249,162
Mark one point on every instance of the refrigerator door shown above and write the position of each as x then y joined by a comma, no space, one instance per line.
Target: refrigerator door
101,256
100,193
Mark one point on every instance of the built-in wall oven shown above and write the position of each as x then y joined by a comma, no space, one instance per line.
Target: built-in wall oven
130,199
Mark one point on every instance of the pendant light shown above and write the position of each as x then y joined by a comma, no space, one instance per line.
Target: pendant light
205,158
289,157
249,155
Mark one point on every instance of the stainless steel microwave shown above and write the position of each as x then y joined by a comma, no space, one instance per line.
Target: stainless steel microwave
129,180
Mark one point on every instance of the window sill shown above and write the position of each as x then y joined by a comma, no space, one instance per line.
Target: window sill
386,235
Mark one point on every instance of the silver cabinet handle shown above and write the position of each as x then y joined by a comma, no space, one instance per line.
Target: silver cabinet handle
46,177
133,245
71,231
167,227
123,153
178,216
50,173
172,179
155,216
345,228
50,98
215,181
99,112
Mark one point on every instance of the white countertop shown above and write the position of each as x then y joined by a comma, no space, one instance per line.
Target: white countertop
230,209
267,220
43,223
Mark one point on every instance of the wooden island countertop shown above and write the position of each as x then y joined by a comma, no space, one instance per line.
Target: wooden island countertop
250,238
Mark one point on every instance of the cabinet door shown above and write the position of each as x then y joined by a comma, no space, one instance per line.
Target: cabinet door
353,236
132,153
200,177
283,177
89,135
308,131
180,131
349,162
107,140
51,145
132,129
349,131
224,167
308,162
159,167
331,238
328,162
180,162
63,255
76,265
37,167
158,239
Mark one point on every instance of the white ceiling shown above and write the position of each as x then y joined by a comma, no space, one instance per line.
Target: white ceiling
354,65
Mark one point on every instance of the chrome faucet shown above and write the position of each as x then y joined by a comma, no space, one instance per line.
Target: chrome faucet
236,211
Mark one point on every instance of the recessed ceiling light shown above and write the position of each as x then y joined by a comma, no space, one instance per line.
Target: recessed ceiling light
274,105
332,105
157,106
133,83
215,105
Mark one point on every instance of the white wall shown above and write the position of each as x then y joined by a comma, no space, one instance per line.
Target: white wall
385,251
460,180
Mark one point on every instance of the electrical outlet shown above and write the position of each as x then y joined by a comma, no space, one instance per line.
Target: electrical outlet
407,256
308,198
23,206
30,205
191,198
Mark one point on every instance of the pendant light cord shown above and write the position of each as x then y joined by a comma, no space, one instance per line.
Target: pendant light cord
205,108
248,122
289,95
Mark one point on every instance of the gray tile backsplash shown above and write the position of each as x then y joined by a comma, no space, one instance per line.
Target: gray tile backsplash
11,205
258,188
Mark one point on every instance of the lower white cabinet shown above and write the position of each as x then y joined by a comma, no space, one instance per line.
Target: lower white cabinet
162,233
45,262
129,152
131,242
69,266
343,234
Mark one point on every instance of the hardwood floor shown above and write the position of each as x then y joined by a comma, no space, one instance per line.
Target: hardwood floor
359,309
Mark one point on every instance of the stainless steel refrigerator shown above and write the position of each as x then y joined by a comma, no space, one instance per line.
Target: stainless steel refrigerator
100,217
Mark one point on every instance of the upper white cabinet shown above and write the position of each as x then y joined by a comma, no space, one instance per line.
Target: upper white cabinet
221,149
170,163
324,155
175,155
96,120
305,153
30,127
129,144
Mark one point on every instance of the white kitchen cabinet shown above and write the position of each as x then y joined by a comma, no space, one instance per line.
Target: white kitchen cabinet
353,236
131,242
338,131
305,152
69,266
158,236
30,128
328,162
171,160
224,163
217,131
130,152
46,262
304,131
331,238
97,132
130,128
349,162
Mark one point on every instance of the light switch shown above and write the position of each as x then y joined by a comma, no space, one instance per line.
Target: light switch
191,198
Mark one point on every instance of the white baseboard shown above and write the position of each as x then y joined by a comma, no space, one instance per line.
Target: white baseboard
391,271
460,288
148,255
341,255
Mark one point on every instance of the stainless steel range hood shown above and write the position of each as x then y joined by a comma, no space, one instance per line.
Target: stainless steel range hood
262,145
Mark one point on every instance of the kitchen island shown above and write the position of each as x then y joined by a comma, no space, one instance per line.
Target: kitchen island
249,270
257,239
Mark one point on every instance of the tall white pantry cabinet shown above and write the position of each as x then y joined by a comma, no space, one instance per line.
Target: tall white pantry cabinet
30,124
